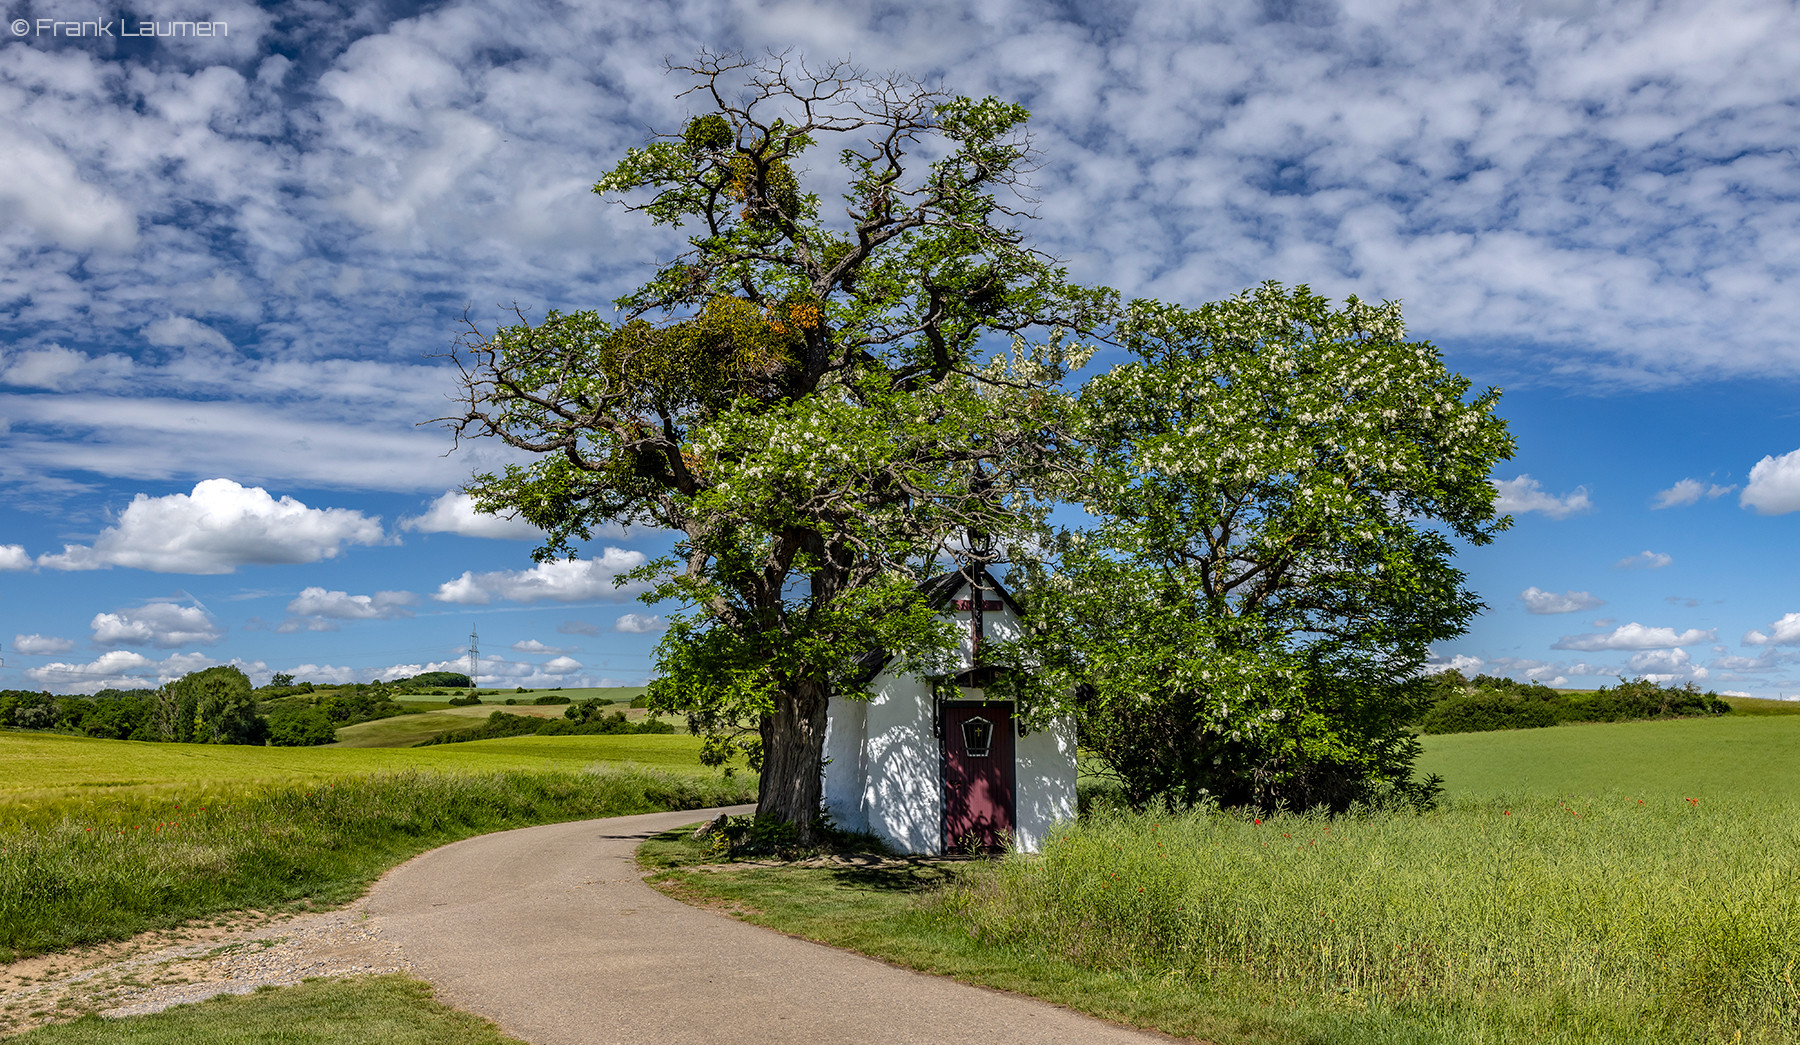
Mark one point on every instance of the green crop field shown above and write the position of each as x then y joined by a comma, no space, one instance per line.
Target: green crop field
46,769
407,730
1596,884
1681,758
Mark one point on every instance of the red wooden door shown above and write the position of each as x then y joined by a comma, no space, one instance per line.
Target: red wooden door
979,777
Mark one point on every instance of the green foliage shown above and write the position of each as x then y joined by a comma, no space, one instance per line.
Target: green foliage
23,709
502,724
1276,481
581,711
1488,703
432,679
120,868
210,706
801,397
465,702
551,698
498,724
300,727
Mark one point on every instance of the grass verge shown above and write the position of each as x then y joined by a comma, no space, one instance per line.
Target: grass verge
375,1010
108,869
1600,921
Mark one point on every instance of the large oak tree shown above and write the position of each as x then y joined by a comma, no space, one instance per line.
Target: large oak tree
809,397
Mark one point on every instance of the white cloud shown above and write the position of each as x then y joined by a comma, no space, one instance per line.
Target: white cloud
1661,661
640,624
1769,660
55,367
216,529
1462,663
337,605
13,557
561,666
1688,491
42,189
1733,693
164,625
1525,494
1635,636
1537,601
534,646
1774,486
41,645
455,512
174,331
1644,560
561,580
1784,632
123,669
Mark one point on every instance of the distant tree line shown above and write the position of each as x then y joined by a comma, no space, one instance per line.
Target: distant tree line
218,705
1485,702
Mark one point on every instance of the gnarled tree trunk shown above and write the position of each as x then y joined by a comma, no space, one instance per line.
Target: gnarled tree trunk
793,755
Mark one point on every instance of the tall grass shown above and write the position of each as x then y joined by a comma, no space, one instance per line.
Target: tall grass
83,872
1610,914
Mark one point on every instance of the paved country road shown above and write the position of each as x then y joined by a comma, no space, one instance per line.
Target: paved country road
550,932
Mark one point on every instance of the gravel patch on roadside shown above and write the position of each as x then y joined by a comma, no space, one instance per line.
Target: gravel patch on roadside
157,970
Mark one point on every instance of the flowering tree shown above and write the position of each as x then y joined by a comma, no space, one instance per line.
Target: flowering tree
799,396
1277,484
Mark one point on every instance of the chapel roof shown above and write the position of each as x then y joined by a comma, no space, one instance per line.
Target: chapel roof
938,590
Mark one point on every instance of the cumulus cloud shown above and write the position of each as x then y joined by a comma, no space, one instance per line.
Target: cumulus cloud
1689,491
41,645
1644,560
337,605
1774,486
124,669
1635,636
1461,662
560,666
455,512
1769,660
215,529
1663,662
174,331
561,580
640,624
164,625
1525,494
1784,632
55,367
534,646
1537,601
13,557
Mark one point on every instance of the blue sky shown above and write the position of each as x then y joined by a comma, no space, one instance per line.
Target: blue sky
230,265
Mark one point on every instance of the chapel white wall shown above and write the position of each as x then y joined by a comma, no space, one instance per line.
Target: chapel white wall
885,770
903,792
